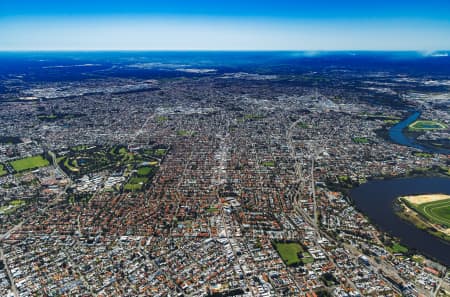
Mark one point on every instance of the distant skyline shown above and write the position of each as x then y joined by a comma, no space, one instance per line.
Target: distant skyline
225,25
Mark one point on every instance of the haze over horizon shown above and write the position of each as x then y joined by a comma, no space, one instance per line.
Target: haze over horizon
235,25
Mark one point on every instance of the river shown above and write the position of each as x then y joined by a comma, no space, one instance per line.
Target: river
397,136
375,199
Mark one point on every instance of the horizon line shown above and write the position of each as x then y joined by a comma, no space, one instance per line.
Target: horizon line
227,50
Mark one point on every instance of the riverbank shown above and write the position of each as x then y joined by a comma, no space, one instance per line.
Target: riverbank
345,186
402,133
409,211
376,199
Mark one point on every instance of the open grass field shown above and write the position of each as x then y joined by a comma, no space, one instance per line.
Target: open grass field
185,133
289,252
161,119
160,152
437,212
144,171
252,117
138,180
29,163
133,187
360,140
3,170
426,125
13,205
436,208
397,248
135,183
17,202
391,122
269,164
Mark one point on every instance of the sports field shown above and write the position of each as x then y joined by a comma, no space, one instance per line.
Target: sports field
289,252
29,163
426,125
144,171
436,208
135,183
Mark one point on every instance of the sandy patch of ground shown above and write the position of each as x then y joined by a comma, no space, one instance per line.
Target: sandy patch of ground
420,199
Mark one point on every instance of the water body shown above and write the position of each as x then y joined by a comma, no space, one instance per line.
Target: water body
397,136
375,199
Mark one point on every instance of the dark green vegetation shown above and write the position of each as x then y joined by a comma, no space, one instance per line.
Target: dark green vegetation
136,183
81,160
343,183
293,253
161,119
84,159
420,224
3,171
80,147
388,121
139,165
397,248
29,163
57,116
439,144
12,206
79,197
303,125
360,140
423,215
431,171
328,279
141,177
380,117
422,154
10,140
289,252
418,259
160,152
391,122
306,258
269,163
250,117
145,170
212,209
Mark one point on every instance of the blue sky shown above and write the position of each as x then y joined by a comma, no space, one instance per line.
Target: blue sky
225,25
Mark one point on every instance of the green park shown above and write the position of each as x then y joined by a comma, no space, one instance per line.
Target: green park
422,125
292,253
29,163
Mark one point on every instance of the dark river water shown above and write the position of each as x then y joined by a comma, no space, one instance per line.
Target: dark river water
375,199
397,136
